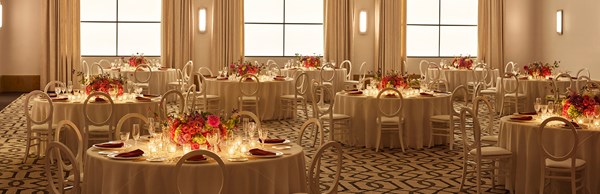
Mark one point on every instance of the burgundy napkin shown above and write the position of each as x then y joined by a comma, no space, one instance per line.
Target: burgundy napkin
441,92
280,76
426,94
209,76
528,113
139,98
249,79
164,68
223,78
259,152
98,99
151,95
110,145
272,140
52,94
278,79
521,118
134,153
115,69
352,90
197,158
391,95
356,93
59,99
523,78
574,125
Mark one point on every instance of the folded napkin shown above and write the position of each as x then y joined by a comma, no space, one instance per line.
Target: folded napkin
352,90
441,92
574,125
259,152
528,113
164,68
281,76
272,140
278,79
98,99
521,118
139,98
356,93
116,69
59,99
110,145
426,94
391,95
523,78
197,158
134,153
209,76
52,94
151,95
249,79
222,78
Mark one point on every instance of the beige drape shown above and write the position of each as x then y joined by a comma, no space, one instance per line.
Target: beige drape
490,26
62,48
338,29
390,34
177,32
227,40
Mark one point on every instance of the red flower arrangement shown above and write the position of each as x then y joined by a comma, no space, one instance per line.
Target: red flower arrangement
244,68
393,80
103,83
134,60
194,128
576,105
310,61
540,69
463,62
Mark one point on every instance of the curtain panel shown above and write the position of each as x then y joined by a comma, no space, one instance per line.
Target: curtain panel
62,42
177,32
338,29
390,35
227,40
490,37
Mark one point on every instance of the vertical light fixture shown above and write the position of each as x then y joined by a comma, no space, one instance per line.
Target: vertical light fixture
559,21
362,22
202,20
1,16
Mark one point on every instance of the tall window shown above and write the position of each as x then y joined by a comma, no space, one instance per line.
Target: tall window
441,28
283,27
120,27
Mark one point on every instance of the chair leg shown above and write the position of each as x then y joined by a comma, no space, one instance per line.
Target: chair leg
400,135
463,176
542,181
430,134
27,146
451,135
378,141
305,109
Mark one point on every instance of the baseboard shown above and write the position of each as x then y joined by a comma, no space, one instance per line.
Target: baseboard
19,83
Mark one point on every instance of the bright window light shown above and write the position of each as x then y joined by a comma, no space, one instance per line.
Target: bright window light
202,20
362,26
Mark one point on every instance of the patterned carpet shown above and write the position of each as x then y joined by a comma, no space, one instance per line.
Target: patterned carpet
435,170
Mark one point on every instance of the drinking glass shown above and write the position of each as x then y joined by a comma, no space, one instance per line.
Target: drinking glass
245,126
212,140
537,105
151,129
135,133
263,134
124,136
58,90
551,108
251,130
543,109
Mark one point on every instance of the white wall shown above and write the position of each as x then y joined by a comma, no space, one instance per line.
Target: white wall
21,36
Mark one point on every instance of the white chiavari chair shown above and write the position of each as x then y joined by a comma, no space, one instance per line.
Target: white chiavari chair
491,136
389,117
139,80
511,95
66,125
314,172
56,180
183,79
38,131
179,103
196,153
338,124
510,67
349,82
315,126
444,125
434,75
290,102
202,100
96,128
249,86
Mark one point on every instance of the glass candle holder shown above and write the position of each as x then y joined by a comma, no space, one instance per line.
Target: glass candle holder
187,148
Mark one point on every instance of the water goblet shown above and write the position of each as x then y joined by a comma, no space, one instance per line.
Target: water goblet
135,133
124,136
543,109
550,108
263,134
245,125
251,130
58,90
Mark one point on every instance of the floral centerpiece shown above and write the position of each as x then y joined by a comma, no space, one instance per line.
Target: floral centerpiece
539,69
392,80
103,83
576,105
193,128
135,60
463,62
244,68
310,61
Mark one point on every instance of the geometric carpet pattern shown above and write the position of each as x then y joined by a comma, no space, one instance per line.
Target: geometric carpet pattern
429,170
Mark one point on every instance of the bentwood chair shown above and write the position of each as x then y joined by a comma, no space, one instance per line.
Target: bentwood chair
139,80
434,74
56,180
68,126
53,84
511,96
444,125
561,93
423,66
491,136
179,102
96,127
184,76
249,86
40,130
314,172
249,115
202,100
389,117
204,70
338,124
510,67
348,82
179,167
127,117
314,125
98,67
290,102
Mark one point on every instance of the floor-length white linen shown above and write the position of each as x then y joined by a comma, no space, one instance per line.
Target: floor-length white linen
158,82
457,77
340,77
285,174
416,112
532,88
270,92
521,138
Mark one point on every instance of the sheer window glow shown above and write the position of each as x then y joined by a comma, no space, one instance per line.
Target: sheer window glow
120,27
283,27
441,28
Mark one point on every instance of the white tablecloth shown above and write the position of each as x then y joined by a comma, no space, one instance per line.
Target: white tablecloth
340,78
416,111
457,77
158,82
285,174
270,93
521,138
532,88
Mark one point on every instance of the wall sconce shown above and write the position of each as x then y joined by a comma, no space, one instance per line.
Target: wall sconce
0,15
362,22
202,20
559,21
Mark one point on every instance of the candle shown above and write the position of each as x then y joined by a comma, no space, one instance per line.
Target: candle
243,149
187,148
172,148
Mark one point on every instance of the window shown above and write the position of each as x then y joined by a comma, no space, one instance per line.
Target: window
120,27
441,28
283,27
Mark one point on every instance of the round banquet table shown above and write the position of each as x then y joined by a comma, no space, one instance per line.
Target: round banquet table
158,82
416,112
270,93
285,174
339,79
521,138
457,77
532,88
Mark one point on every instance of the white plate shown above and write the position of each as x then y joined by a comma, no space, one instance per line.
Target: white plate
104,153
101,148
240,159
287,141
282,147
112,156
196,161
277,154
156,159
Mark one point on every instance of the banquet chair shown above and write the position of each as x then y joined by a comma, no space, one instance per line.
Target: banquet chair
97,130
561,92
128,116
205,69
290,102
179,103
315,125
202,100
56,180
273,67
250,115
325,80
444,125
104,63
490,90
389,121
491,137
339,124
314,172
510,68
184,76
348,82
480,159
85,69
582,82
249,86
560,166
511,96
362,84
38,131
423,66
434,73
52,85
205,153
140,82
72,128
480,75
190,98
584,72
98,67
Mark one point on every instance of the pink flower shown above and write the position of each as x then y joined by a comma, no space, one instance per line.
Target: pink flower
214,121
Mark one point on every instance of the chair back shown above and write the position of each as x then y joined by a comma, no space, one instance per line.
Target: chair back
385,103
273,67
85,69
104,63
423,67
269,62
433,72
249,85
87,107
455,107
510,67
573,147
315,168
492,74
187,71
56,180
325,70
72,128
97,66
505,86
559,90
362,70
205,69
301,84
327,94
467,145
190,98
52,84
315,124
204,153
141,69
28,113
584,72
346,64
362,83
582,82
477,90
128,116
243,114
164,99
491,113
480,73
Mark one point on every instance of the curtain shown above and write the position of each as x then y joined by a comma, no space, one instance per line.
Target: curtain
490,37
390,34
177,32
227,40
338,29
61,45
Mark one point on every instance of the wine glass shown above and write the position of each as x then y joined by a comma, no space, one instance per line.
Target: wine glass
212,140
135,133
551,108
124,136
58,91
263,134
138,90
151,129
129,87
251,130
537,105
544,109
245,125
